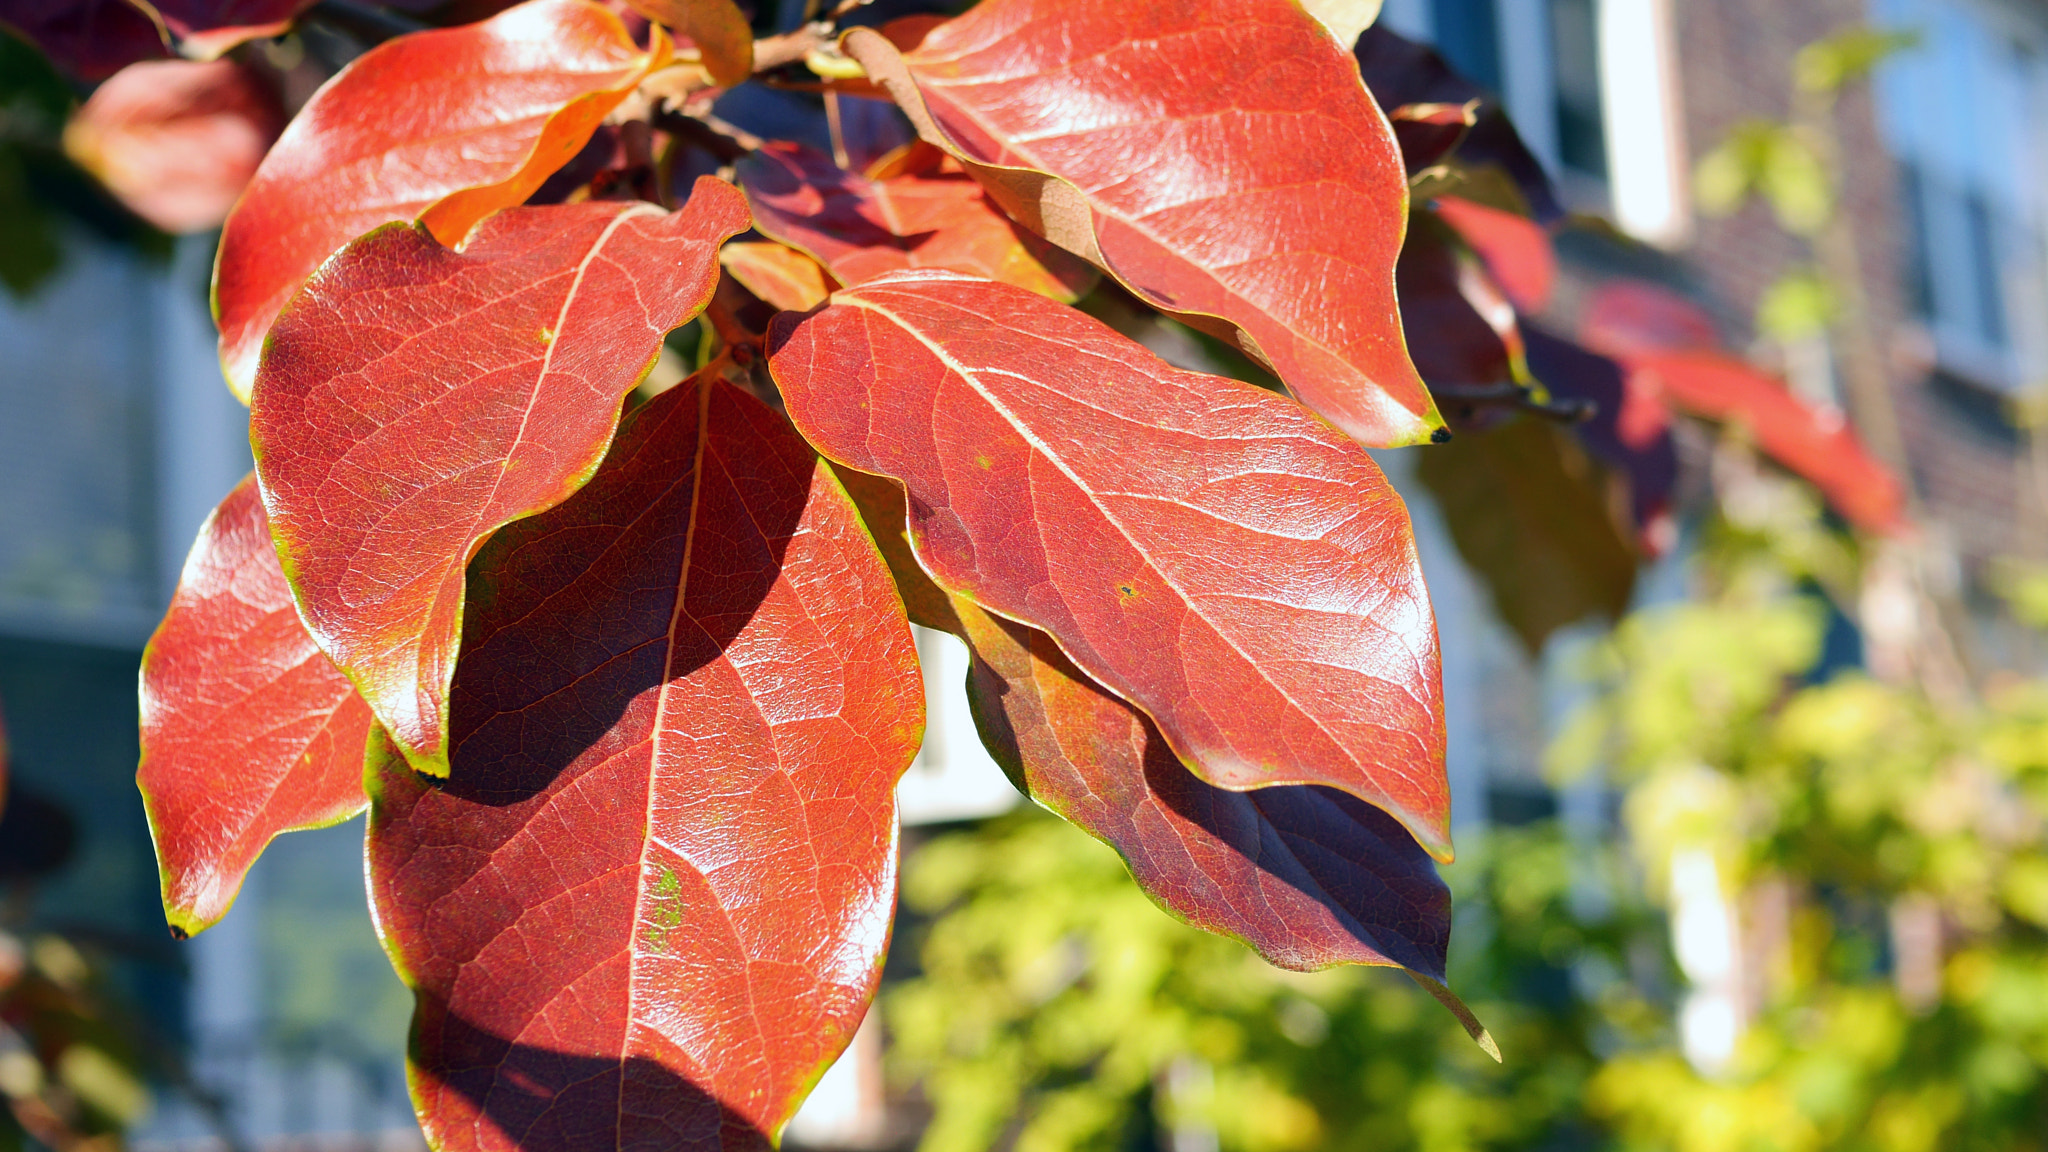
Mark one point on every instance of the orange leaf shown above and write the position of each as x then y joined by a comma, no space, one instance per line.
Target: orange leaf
448,126
1222,160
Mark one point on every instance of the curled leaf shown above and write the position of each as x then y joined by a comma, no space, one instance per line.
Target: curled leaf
415,398
778,274
1205,549
446,126
719,30
1271,200
861,228
1307,876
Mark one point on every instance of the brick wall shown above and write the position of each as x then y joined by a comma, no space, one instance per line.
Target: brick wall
1736,63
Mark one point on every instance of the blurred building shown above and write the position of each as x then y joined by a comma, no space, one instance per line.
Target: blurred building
116,438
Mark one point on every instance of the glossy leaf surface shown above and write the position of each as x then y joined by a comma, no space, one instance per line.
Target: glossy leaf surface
1270,201
649,904
177,141
881,504
1206,549
718,29
860,228
415,398
1307,876
780,275
247,729
446,126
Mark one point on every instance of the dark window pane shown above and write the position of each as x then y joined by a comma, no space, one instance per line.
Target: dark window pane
1919,274
1984,271
1468,37
1574,38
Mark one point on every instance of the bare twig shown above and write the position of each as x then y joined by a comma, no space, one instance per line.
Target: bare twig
774,52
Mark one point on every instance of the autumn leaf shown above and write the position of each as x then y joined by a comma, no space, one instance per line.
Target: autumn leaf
90,39
1627,316
1207,550
247,729
648,906
415,398
1401,72
1538,522
860,228
717,28
1428,133
778,274
1306,876
1813,443
1628,430
1516,249
1467,342
1670,350
177,141
1271,201
446,126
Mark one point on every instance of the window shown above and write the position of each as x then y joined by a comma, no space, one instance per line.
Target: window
1961,111
1591,86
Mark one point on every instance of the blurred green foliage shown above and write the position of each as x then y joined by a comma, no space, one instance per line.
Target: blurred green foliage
1058,1009
41,189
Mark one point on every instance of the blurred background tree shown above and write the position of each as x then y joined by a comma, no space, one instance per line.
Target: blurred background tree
1817,920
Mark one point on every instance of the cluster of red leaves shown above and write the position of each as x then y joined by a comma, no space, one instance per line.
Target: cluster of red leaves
626,681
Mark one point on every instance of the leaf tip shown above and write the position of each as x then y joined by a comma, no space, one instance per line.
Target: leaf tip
1440,436
1449,999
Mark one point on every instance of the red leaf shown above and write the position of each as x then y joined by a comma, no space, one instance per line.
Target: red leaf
649,904
177,141
203,29
1818,445
90,39
1460,324
1400,71
717,28
782,276
447,126
1210,551
1628,431
1429,133
1516,249
415,398
1307,876
860,229
247,730
1222,160
1627,316
93,39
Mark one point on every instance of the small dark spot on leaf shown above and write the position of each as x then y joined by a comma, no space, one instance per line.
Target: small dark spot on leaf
1440,436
